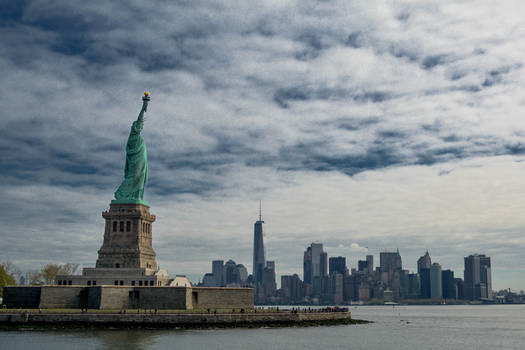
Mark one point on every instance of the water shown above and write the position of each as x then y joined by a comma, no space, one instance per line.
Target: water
399,327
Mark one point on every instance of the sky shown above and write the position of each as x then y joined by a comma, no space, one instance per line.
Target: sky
367,126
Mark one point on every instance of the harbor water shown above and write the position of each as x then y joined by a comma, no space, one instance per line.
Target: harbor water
393,327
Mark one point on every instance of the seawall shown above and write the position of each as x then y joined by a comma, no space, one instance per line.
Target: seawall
127,297
183,320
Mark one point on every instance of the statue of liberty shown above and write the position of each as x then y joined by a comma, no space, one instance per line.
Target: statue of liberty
131,190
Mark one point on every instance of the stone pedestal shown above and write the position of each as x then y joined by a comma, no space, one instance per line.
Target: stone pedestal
126,257
127,238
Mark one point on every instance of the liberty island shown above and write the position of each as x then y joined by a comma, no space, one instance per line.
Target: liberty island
127,277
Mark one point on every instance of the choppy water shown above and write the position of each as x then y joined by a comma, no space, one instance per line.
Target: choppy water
400,327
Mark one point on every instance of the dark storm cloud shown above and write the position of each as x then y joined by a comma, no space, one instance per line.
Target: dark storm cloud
284,96
310,157
354,124
402,52
97,35
12,11
516,149
372,96
36,152
100,41
312,47
497,75
355,40
434,60
374,158
391,134
286,87
200,187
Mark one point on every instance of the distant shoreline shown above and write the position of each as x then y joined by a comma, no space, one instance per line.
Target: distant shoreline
382,303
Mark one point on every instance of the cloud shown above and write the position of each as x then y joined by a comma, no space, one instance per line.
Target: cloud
353,247
250,101
356,248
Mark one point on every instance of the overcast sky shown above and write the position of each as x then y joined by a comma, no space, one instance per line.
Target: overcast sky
365,125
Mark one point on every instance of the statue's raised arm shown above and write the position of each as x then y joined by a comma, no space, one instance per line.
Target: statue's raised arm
145,100
131,190
139,123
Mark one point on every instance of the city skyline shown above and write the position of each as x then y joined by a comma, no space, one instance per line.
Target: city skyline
339,263
411,266
359,125
329,280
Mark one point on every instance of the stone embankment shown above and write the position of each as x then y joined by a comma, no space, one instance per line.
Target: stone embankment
183,320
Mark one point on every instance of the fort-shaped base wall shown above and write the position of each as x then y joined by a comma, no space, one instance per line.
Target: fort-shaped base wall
127,297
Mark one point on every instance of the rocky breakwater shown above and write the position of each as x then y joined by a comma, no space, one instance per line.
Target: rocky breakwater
182,320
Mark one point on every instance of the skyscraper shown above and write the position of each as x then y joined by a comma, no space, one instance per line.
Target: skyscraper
414,286
362,265
217,269
307,266
424,262
391,266
258,250
231,273
323,265
314,263
449,285
243,273
485,275
436,282
370,263
336,280
389,261
471,275
423,269
459,288
366,266
269,279
337,264
478,279
424,275
291,286
317,263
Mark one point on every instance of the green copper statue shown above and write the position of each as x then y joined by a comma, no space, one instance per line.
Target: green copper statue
131,189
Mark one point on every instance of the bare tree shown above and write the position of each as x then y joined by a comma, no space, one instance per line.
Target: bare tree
68,269
33,277
49,272
45,275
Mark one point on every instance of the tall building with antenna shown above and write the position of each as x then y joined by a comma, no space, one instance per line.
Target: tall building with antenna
259,262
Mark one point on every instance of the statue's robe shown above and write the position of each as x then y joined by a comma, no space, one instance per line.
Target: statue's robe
136,169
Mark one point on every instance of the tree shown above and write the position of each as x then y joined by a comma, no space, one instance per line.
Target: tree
11,269
45,275
68,269
33,277
49,272
6,279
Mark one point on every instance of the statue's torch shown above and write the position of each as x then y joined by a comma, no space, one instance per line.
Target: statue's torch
145,100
